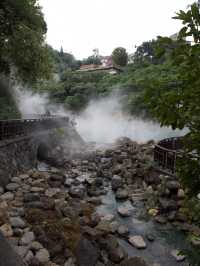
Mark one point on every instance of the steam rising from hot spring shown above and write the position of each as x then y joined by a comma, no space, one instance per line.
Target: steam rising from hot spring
103,121
30,103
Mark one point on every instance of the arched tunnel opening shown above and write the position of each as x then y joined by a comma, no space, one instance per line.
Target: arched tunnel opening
43,152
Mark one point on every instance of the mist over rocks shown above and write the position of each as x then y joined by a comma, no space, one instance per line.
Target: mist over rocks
103,121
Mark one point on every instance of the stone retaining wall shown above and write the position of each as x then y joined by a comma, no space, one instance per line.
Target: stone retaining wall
20,154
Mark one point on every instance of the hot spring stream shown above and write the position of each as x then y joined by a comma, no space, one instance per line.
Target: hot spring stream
167,238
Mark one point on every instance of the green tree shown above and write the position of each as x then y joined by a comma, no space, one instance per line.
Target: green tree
91,60
175,102
22,40
120,56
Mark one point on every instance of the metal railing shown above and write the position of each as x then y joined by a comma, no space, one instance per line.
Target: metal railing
166,152
20,127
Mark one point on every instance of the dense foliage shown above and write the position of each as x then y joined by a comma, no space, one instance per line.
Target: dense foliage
175,101
120,56
23,52
22,33
63,61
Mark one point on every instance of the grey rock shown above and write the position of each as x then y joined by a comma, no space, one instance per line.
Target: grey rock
124,211
29,256
7,196
108,218
37,189
86,253
77,192
69,182
30,197
35,204
51,192
116,182
43,255
121,194
137,241
16,179
173,185
98,182
27,238
116,255
12,186
150,237
17,222
35,246
123,230
22,250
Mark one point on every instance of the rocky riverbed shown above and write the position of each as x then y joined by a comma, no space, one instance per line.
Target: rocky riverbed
101,207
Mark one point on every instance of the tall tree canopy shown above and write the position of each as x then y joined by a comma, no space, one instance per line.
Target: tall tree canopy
22,35
120,56
176,101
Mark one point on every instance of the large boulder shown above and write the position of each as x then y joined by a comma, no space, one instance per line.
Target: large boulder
116,182
86,253
8,257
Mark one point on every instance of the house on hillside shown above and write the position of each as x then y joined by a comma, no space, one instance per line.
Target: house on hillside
106,61
106,66
100,68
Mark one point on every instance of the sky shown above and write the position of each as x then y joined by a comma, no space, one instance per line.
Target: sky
80,26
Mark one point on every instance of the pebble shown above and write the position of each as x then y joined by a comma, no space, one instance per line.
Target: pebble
7,196
37,189
17,222
6,229
150,237
27,238
51,192
123,230
121,194
116,182
35,246
24,176
30,197
12,186
137,241
108,218
43,255
16,179
124,211
21,250
29,256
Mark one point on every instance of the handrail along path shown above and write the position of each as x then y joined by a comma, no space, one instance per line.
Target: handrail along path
166,152
21,127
